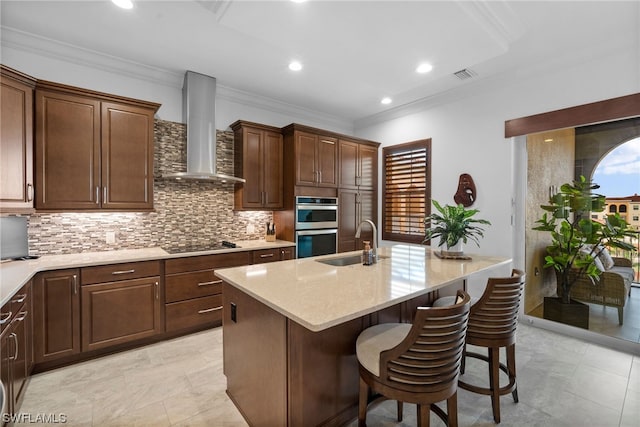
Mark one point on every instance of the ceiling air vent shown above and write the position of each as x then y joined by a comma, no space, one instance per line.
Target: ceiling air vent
464,74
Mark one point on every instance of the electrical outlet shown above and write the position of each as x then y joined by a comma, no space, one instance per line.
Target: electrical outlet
251,229
111,237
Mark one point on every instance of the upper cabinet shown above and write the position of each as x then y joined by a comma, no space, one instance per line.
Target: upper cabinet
358,165
16,141
94,151
258,159
315,156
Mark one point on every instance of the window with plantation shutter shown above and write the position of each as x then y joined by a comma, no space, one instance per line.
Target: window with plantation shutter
406,191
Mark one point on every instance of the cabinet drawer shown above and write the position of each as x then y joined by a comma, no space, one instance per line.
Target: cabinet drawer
206,262
266,255
195,284
192,313
15,305
113,272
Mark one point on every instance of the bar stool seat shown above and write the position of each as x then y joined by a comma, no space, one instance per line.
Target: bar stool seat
415,363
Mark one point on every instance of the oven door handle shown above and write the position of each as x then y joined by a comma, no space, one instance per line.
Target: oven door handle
317,207
316,232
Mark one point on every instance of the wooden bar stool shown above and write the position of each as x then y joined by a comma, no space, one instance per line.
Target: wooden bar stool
416,363
492,324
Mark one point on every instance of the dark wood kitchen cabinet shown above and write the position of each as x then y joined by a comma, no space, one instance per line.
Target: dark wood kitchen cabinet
16,341
193,293
16,141
56,314
357,192
262,256
120,303
354,206
94,151
258,159
314,156
358,164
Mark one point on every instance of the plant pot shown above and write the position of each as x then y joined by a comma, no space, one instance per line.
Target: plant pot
455,250
574,314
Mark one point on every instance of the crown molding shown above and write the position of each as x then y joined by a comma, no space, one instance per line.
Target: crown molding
41,46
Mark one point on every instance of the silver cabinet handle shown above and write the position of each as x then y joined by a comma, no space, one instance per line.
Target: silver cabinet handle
104,194
157,285
266,256
319,176
75,284
97,195
29,192
22,315
6,318
209,310
15,352
20,298
213,282
124,271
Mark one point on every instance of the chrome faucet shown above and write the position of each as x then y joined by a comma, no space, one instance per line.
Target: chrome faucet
374,243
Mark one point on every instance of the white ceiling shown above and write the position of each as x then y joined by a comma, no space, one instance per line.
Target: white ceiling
353,52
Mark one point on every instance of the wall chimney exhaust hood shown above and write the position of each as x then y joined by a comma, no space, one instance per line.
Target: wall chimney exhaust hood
199,109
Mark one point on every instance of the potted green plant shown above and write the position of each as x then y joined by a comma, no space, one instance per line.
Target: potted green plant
576,238
454,225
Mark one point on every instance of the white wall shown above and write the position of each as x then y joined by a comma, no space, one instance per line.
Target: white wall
467,130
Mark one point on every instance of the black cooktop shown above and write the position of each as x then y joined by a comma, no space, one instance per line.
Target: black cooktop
200,247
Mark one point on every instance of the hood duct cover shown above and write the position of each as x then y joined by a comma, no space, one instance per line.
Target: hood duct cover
198,97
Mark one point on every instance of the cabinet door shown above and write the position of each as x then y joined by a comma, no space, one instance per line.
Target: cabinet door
127,157
327,162
252,168
272,169
56,315
367,167
366,210
16,144
67,151
7,352
118,312
20,361
348,164
348,220
305,149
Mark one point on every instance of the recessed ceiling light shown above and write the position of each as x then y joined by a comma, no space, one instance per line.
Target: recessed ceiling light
125,4
295,66
386,100
424,68
298,1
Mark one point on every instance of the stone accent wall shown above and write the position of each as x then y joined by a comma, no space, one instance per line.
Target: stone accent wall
186,212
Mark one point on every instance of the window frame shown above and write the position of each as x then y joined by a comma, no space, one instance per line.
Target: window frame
422,144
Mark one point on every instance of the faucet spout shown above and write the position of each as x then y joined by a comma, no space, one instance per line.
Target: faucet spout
374,243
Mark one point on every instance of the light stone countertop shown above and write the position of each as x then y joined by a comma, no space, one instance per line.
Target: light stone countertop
319,296
14,274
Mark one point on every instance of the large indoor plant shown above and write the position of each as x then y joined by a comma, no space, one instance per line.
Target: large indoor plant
454,225
576,238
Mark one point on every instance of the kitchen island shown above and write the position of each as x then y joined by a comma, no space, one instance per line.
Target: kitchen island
290,328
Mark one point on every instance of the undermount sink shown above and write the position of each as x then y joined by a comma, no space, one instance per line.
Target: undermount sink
345,260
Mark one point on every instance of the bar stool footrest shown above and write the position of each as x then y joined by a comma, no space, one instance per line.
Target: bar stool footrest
509,388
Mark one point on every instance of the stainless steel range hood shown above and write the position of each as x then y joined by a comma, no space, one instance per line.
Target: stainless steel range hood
199,110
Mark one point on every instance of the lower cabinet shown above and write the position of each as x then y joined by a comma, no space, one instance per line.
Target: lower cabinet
120,303
16,352
193,293
56,314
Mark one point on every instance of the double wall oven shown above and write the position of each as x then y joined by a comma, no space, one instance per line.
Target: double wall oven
316,226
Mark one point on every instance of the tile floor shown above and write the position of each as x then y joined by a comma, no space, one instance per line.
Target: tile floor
562,382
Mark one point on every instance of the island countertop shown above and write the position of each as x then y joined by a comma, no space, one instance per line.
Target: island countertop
318,296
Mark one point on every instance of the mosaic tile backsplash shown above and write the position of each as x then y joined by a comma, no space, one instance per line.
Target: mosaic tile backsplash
186,212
